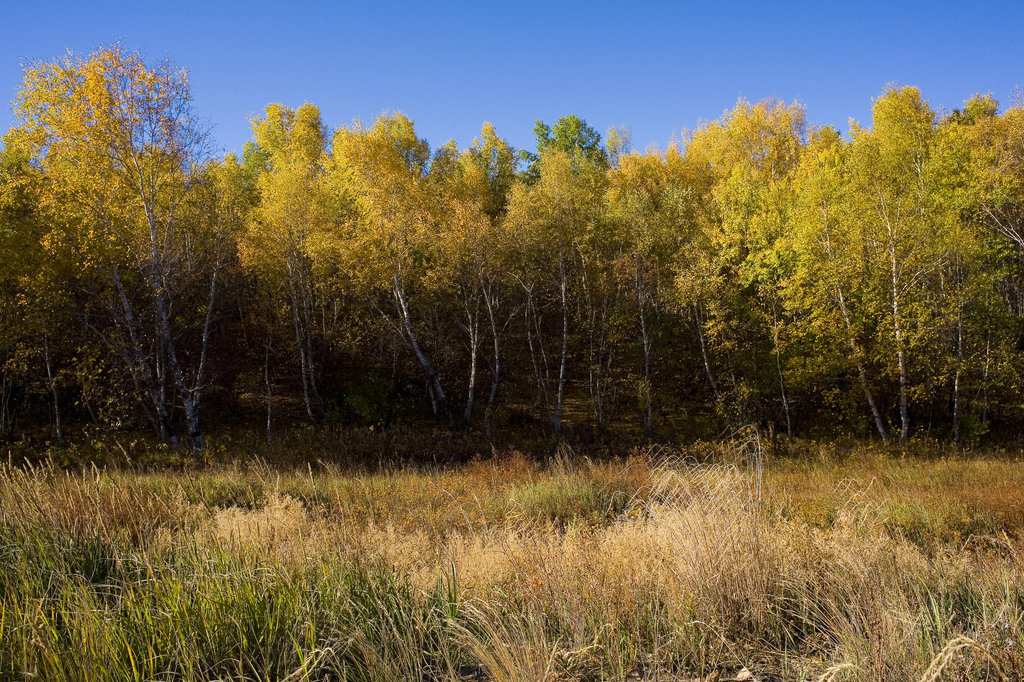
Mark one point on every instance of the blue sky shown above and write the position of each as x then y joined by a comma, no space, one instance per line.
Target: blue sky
658,67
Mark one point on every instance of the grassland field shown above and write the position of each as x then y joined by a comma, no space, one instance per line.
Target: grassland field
714,562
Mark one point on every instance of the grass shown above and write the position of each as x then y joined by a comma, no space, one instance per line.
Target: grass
827,564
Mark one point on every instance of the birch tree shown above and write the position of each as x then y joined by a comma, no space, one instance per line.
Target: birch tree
391,240
474,251
123,149
732,270
891,199
649,202
294,214
556,218
831,267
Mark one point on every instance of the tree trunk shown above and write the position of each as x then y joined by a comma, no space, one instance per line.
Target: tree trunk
307,327
496,378
556,421
956,378
432,378
540,369
861,372
641,295
5,398
778,366
138,364
300,340
53,389
473,328
188,405
699,327
860,368
984,383
648,399
152,270
270,395
901,354
197,388
599,357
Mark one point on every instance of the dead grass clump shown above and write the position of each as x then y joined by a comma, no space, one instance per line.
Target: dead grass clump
505,468
94,503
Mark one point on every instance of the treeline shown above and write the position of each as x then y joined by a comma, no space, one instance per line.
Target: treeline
760,270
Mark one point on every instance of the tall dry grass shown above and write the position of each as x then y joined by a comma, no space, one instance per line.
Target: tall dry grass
657,567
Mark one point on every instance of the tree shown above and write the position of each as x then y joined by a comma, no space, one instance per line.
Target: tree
649,202
731,272
1000,165
830,267
973,169
291,223
474,248
570,135
390,242
123,150
26,316
556,214
891,202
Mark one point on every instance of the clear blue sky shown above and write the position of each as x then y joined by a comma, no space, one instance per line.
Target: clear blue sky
657,67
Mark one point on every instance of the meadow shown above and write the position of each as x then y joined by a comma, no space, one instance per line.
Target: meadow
717,561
